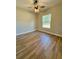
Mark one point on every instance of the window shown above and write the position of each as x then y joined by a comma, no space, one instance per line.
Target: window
46,20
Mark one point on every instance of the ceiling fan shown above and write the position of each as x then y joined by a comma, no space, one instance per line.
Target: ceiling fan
35,6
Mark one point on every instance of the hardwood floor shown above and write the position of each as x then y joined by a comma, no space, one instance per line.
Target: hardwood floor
38,45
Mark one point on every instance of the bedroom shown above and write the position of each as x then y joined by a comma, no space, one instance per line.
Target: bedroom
39,29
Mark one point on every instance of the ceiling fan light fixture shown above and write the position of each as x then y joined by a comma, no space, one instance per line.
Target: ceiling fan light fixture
36,10
36,7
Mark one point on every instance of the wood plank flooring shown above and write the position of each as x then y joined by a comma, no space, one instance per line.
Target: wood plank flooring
38,45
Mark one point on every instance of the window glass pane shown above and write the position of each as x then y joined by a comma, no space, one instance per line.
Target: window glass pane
46,20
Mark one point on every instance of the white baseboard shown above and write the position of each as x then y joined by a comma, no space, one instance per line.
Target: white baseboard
50,33
24,32
39,30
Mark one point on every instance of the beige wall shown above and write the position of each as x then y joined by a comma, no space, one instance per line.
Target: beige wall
25,21
56,20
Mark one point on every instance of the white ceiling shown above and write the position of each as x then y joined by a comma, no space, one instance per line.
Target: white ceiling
27,4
